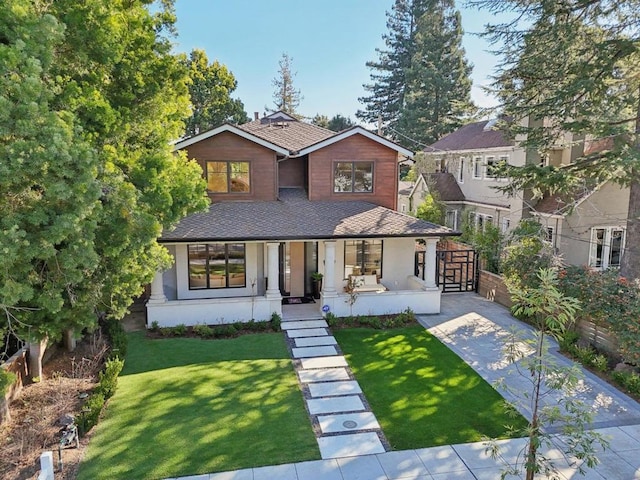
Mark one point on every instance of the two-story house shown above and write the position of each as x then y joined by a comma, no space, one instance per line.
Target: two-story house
289,199
586,229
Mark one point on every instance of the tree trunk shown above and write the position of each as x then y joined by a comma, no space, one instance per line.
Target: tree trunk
630,262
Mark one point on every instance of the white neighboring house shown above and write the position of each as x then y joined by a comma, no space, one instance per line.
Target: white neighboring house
586,229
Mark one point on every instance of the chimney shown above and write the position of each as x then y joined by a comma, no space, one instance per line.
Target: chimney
256,115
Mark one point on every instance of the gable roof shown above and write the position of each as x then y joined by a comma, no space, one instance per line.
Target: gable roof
293,217
558,204
473,136
446,186
287,136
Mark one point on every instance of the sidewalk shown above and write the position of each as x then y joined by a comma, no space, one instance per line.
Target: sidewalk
474,328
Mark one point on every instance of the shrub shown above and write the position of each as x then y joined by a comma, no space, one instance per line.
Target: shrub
6,380
568,340
90,413
600,362
276,322
629,380
155,326
584,354
331,319
179,330
117,336
203,330
108,378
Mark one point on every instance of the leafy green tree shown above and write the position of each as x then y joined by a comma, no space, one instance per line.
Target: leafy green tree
573,66
551,313
421,86
285,96
50,193
210,89
431,210
88,115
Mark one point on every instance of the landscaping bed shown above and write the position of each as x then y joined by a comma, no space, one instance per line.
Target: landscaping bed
34,425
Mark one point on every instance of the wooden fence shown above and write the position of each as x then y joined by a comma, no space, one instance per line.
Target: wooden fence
493,288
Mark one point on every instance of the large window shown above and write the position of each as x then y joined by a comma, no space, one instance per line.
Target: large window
217,265
460,174
607,244
228,177
362,257
353,177
477,167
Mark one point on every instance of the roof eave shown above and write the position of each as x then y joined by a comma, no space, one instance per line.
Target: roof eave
355,131
232,129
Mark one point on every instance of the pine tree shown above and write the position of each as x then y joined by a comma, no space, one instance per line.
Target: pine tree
421,86
285,97
574,67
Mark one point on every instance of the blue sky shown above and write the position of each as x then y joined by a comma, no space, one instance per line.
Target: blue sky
329,41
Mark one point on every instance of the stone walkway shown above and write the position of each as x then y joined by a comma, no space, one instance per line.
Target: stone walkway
472,327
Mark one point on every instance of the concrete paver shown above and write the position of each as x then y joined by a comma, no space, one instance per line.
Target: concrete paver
441,460
324,362
332,389
366,467
336,423
350,403
306,332
402,464
281,472
304,324
319,470
323,374
352,445
316,341
308,352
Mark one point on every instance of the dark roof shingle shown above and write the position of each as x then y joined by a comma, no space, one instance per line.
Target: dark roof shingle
293,216
292,135
446,186
472,137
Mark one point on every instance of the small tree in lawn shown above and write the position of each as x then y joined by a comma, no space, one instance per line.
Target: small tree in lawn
551,313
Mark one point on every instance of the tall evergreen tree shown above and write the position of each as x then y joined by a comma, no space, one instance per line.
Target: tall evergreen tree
574,66
210,89
421,85
285,96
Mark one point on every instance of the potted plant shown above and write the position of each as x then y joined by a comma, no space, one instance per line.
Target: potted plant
316,281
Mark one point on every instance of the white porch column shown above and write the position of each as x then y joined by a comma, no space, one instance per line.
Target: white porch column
273,289
329,283
430,262
157,290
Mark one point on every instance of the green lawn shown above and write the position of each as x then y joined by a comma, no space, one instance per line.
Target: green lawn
186,406
422,393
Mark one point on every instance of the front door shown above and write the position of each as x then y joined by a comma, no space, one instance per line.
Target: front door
298,260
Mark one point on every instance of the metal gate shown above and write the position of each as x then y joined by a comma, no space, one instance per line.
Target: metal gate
457,270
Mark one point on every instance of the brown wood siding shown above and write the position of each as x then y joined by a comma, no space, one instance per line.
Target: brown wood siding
227,146
291,172
355,148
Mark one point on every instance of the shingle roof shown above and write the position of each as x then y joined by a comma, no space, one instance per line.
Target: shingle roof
557,204
405,188
293,216
292,135
472,137
446,186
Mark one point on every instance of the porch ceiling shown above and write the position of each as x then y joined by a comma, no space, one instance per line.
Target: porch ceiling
294,217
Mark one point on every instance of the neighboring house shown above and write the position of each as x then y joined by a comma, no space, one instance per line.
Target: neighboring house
404,197
445,189
289,199
587,229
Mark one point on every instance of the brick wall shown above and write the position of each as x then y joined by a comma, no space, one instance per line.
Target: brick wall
492,287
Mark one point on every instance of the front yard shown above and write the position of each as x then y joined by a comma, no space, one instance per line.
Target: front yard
422,394
187,406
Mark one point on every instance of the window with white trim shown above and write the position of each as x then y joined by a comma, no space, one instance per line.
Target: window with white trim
216,265
480,220
490,166
460,175
607,244
506,223
477,167
451,219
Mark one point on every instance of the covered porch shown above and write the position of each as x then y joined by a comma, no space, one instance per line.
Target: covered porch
280,269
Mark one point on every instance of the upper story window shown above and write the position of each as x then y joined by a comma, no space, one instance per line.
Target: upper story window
506,223
461,170
362,257
490,169
606,247
354,177
228,177
477,167
217,265
451,219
